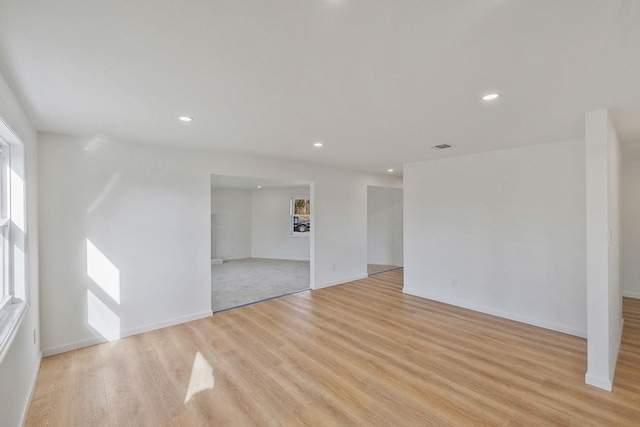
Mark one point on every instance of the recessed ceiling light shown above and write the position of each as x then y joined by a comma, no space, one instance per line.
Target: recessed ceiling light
259,186
317,144
490,97
389,170
185,118
442,146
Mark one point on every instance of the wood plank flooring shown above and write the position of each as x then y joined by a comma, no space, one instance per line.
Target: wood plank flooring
359,354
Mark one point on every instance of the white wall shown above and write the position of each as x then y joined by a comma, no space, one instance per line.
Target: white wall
271,237
19,367
384,226
615,289
501,232
604,296
630,226
230,223
147,209
148,220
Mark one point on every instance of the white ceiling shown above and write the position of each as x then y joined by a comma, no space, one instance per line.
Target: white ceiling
377,81
249,183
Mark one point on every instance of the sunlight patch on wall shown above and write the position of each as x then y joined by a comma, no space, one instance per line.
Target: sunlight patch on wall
95,143
201,377
101,318
17,201
19,272
103,272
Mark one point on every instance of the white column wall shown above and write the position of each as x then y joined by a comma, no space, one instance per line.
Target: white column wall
604,300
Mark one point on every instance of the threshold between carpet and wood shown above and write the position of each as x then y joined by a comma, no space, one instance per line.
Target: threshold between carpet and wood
358,354
380,268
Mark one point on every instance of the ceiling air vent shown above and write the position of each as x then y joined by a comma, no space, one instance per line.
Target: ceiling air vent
441,146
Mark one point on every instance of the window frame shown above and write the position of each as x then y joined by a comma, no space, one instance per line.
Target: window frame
292,214
6,285
15,281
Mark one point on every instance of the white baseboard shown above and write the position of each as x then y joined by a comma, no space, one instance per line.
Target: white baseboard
340,282
126,333
616,351
603,383
631,294
607,383
498,313
34,380
73,346
280,258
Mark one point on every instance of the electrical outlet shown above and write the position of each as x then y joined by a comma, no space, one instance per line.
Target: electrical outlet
454,282
34,336
333,267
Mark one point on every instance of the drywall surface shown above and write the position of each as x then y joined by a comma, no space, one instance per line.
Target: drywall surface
501,232
604,298
19,367
630,226
384,226
125,241
143,214
271,234
615,290
230,223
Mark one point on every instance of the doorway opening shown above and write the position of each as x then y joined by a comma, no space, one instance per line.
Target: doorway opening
260,241
384,229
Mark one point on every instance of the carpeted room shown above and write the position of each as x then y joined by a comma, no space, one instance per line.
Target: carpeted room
256,254
257,250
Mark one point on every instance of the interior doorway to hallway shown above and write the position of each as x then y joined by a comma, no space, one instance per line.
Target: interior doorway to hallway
384,229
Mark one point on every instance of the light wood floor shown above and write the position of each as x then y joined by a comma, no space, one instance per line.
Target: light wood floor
360,354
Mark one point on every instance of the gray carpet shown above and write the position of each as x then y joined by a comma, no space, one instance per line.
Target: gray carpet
238,282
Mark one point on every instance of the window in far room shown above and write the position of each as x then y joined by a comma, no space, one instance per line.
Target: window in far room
300,216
